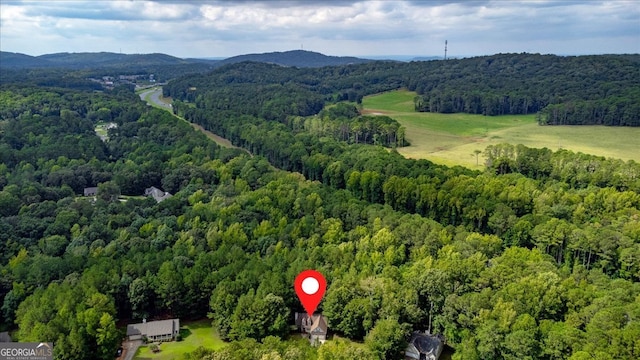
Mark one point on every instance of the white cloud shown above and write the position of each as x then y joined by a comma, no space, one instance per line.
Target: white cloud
225,28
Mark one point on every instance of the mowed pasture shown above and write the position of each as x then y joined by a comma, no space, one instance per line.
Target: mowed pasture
451,139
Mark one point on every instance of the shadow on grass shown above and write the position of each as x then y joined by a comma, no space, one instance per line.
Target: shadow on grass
184,333
200,324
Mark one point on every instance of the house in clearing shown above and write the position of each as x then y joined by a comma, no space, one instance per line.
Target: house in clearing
162,330
157,194
90,191
314,327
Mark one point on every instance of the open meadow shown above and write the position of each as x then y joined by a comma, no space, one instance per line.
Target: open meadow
451,139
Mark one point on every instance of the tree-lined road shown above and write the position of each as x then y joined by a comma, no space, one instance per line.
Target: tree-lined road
153,97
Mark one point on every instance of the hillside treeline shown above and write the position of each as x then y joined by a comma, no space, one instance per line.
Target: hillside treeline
600,90
79,79
574,90
538,257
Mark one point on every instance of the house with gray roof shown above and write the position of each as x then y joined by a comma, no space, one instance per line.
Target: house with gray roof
315,327
90,191
162,330
157,194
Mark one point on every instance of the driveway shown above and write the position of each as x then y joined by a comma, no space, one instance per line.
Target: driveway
130,348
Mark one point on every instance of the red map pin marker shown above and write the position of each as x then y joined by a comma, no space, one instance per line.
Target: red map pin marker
310,286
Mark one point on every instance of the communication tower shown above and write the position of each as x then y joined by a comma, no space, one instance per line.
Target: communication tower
445,49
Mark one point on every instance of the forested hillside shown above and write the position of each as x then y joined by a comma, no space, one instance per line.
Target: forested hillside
538,257
578,90
89,60
600,90
74,70
298,58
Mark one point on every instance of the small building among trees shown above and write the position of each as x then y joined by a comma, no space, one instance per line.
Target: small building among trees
315,327
157,194
90,191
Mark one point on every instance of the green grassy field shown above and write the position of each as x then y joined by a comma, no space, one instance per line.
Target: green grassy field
451,139
194,334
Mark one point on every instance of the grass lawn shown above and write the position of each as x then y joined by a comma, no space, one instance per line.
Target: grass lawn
451,139
194,334
101,129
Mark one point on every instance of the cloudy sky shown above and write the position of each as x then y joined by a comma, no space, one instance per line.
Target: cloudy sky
341,27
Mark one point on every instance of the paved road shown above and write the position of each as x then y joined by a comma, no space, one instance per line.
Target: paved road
155,93
153,96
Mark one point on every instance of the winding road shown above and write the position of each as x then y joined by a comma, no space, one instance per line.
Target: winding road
153,97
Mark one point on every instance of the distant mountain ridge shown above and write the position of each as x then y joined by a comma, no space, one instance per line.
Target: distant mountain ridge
86,60
18,60
297,58
76,59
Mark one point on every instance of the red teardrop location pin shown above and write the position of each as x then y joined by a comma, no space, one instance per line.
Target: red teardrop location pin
310,286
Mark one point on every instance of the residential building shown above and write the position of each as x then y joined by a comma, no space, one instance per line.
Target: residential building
157,194
315,327
91,191
162,330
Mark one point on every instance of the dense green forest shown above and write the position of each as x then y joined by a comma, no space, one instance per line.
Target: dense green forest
538,257
571,90
80,79
95,60
298,58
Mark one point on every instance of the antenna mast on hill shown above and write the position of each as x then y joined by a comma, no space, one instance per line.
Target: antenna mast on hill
445,49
